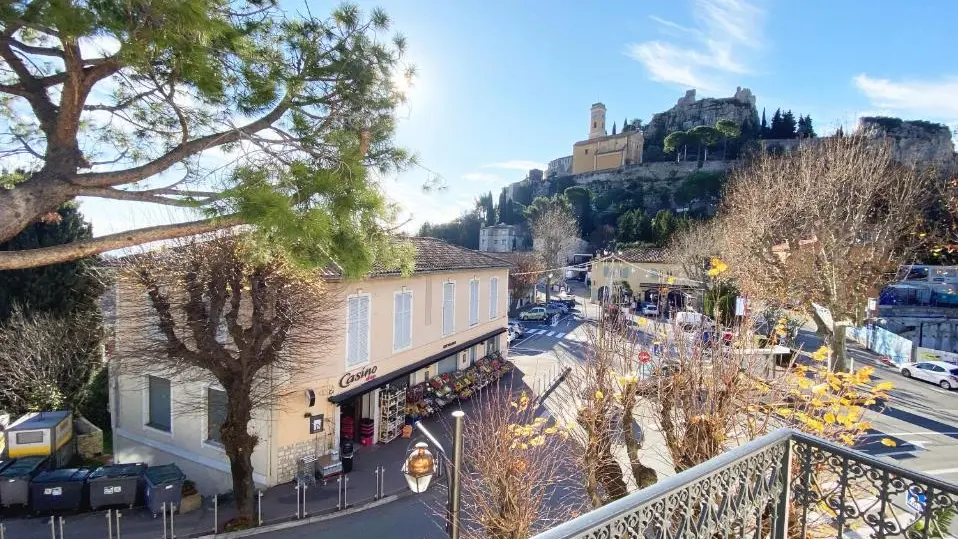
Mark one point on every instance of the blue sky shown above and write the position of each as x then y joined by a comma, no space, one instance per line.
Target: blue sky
507,85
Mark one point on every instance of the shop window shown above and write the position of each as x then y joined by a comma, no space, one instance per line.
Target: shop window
493,297
215,414
159,413
447,365
402,320
357,330
473,302
473,352
448,308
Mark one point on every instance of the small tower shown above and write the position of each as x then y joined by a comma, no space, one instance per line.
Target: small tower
597,124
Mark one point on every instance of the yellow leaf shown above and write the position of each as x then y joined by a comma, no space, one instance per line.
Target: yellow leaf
829,418
537,441
888,442
883,386
599,395
847,439
670,280
820,389
784,412
551,430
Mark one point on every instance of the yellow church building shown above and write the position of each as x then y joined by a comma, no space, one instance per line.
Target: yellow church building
602,151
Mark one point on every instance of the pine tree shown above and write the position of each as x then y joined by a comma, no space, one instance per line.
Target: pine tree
809,128
775,130
788,125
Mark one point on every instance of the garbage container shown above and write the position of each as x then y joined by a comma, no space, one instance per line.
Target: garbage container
347,452
15,480
58,490
164,484
115,484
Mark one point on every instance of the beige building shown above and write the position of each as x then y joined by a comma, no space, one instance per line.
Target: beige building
649,274
500,238
602,151
397,332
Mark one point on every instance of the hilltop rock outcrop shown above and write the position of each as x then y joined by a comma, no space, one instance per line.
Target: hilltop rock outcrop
917,141
689,112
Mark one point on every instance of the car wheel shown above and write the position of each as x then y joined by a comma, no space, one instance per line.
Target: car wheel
906,373
944,384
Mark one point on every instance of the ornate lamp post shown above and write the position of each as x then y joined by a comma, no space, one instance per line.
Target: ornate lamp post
419,468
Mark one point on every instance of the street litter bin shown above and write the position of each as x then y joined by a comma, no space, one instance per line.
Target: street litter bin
347,452
164,484
58,490
115,484
15,480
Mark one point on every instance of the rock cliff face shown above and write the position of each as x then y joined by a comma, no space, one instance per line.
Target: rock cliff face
927,143
689,112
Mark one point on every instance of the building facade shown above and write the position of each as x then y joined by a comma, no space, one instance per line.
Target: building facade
500,238
602,151
646,275
396,333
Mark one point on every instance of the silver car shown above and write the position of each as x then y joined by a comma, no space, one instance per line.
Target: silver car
937,372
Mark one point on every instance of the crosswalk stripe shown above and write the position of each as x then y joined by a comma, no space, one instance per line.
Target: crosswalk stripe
560,335
538,331
551,333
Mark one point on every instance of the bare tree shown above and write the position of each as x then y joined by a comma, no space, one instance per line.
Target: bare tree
555,234
518,479
222,309
604,393
827,224
522,281
48,360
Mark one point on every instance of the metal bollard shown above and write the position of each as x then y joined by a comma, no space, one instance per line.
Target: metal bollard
172,533
163,507
345,484
304,501
53,528
61,527
376,493
297,499
3,529
109,523
118,515
259,507
216,514
339,493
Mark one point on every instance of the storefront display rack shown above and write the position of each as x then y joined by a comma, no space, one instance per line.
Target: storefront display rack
391,413
427,398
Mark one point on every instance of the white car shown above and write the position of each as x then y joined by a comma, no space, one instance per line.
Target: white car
650,309
937,372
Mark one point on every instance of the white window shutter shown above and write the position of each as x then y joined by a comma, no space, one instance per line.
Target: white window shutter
399,330
473,302
351,330
448,308
364,329
493,297
407,334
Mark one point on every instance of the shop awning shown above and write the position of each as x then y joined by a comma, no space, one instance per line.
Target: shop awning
411,368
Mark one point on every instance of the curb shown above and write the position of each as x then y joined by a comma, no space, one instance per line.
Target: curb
267,528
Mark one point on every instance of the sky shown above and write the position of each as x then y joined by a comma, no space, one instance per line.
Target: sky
505,86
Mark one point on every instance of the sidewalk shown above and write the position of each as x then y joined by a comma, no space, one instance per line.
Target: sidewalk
278,503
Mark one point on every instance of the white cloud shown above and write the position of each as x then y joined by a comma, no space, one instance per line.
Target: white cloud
725,34
517,164
482,177
929,99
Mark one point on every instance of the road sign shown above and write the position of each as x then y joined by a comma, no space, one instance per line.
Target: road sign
915,500
644,357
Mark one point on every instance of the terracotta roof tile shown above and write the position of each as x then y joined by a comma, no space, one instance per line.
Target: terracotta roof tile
434,255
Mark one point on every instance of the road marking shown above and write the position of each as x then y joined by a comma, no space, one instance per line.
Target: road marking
551,333
942,471
560,335
898,434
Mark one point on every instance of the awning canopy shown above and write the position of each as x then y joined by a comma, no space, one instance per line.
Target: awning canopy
413,367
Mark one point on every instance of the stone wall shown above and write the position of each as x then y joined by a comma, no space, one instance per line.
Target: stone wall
665,170
288,457
89,437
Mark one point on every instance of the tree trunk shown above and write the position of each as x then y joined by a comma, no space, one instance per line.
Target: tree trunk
839,352
644,476
239,444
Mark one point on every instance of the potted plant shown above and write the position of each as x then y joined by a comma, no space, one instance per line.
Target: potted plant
190,498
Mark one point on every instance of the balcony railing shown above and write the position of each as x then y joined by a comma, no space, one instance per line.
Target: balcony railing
781,486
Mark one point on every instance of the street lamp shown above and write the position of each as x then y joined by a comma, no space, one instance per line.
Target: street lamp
419,468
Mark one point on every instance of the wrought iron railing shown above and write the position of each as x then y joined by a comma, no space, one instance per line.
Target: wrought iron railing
784,485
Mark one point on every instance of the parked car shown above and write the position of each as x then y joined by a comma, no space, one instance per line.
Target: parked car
561,307
511,335
535,313
650,309
936,372
517,328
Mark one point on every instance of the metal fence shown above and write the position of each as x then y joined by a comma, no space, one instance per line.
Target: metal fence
783,485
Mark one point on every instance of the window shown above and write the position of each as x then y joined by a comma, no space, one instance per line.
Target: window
159,414
30,437
492,345
357,330
493,297
402,320
448,308
447,365
587,152
215,413
473,302
472,355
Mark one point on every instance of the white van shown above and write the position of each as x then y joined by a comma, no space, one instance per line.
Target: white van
694,319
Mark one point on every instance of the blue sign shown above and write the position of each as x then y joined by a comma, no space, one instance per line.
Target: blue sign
915,501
